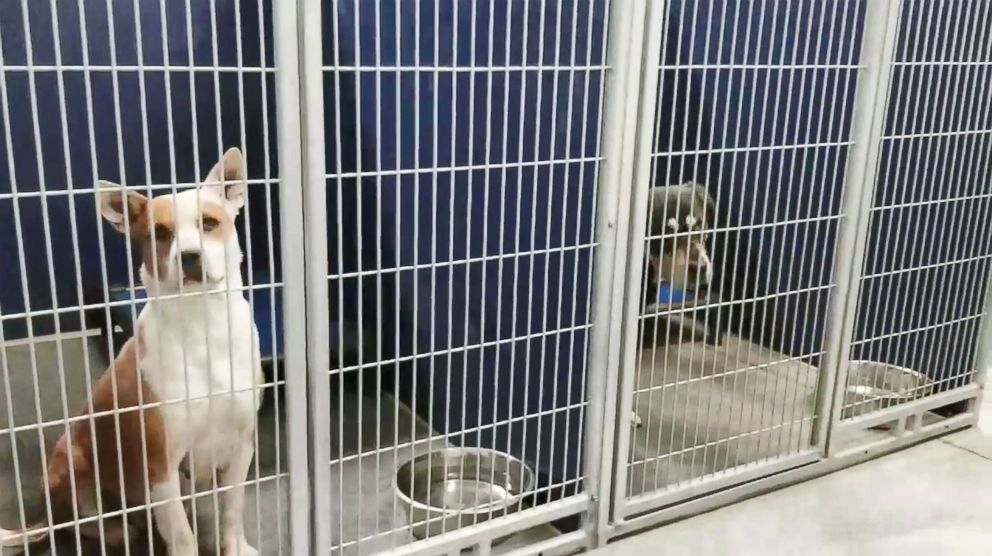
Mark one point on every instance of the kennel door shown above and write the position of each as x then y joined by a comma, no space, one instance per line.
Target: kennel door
912,357
452,162
753,102
148,95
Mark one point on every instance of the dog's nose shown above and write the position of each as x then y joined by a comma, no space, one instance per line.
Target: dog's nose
190,260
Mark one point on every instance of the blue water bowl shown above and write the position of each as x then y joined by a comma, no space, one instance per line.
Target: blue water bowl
668,295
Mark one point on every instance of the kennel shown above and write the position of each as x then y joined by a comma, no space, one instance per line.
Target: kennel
445,238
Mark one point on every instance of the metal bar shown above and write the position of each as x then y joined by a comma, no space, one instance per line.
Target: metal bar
977,170
568,543
338,150
942,350
704,485
292,203
787,478
922,405
469,536
625,46
983,357
877,49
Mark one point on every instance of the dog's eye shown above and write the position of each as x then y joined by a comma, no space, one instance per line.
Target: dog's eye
210,223
162,232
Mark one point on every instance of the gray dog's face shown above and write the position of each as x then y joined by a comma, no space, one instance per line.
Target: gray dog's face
679,221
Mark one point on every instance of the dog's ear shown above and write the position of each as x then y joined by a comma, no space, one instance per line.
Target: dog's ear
124,210
227,180
705,201
661,209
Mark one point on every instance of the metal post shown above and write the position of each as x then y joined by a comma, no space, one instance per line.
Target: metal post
294,299
626,35
983,359
624,344
315,244
878,46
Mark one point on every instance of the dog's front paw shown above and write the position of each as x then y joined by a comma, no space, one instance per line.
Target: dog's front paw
239,547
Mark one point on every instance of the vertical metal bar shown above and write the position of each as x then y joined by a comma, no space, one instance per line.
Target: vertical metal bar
688,95
597,135
542,24
788,422
978,173
48,259
451,239
877,48
432,260
900,158
572,92
947,238
378,257
91,136
484,265
359,248
60,356
22,268
774,31
746,167
146,152
716,374
975,115
194,124
501,250
983,358
397,239
257,390
759,33
642,270
849,75
514,304
416,229
295,272
339,238
931,113
542,357
634,28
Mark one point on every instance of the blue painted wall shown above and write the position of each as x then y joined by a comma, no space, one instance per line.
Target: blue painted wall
405,123
735,125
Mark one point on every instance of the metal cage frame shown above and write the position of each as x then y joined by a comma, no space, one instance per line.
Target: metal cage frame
630,109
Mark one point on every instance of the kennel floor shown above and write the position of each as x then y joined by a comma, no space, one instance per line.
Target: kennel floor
361,487
706,410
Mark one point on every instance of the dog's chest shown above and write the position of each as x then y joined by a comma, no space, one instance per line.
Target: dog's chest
203,362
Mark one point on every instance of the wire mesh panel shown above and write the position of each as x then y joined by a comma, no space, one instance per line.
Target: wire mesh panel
925,270
459,157
737,221
141,343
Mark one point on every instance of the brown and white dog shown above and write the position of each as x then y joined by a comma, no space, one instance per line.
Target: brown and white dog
194,357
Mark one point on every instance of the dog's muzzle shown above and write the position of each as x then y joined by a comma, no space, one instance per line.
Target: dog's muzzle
700,267
192,265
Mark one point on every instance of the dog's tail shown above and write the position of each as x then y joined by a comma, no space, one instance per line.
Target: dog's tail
28,535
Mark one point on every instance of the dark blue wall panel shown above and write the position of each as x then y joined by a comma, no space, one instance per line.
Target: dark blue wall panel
517,149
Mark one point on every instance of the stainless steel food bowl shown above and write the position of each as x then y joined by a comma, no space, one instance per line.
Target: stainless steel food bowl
872,386
449,488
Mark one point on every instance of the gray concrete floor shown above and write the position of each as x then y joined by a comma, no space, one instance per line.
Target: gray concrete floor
705,409
935,498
